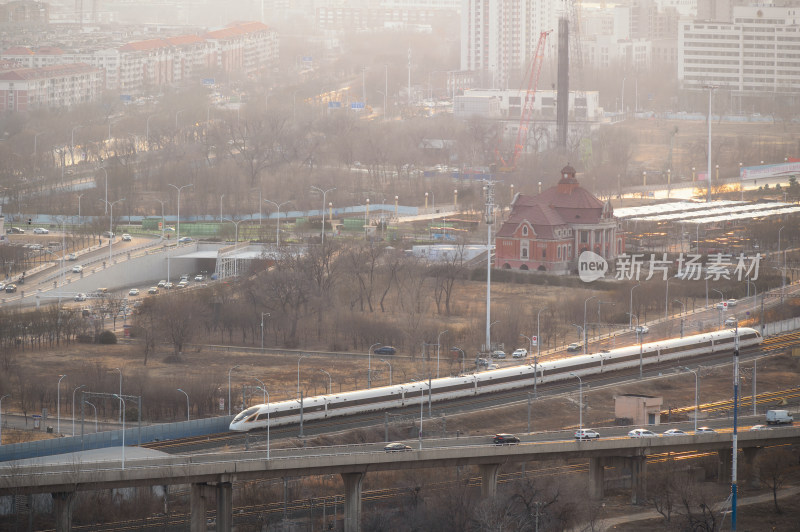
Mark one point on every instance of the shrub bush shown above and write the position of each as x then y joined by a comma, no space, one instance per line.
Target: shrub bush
107,337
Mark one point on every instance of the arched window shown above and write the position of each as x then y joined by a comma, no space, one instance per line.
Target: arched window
524,230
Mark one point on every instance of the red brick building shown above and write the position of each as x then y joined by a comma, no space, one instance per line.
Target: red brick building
547,232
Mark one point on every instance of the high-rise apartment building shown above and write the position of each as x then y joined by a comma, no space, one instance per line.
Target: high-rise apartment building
498,37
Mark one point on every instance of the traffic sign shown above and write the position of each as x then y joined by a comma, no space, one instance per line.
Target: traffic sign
357,105
535,340
334,105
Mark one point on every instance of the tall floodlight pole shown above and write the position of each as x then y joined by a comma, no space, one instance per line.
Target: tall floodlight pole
324,193
710,102
487,216
278,225
229,388
437,351
298,373
103,168
179,188
58,406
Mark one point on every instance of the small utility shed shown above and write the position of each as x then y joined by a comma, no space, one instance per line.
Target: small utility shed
638,409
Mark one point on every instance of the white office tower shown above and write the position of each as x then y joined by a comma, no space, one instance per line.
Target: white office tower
498,37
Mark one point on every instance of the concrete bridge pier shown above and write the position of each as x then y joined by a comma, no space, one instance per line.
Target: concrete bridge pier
63,503
352,501
201,494
597,471
488,474
753,473
638,467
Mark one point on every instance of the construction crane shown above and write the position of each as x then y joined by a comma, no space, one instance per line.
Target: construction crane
509,164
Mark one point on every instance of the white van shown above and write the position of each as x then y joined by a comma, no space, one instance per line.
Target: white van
778,417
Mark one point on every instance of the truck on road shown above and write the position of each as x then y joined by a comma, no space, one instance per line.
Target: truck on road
779,417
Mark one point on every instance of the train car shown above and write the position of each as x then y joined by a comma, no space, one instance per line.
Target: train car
442,389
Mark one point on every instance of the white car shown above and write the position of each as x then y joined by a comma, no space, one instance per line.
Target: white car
759,427
77,268
642,329
732,302
72,256
705,430
41,231
126,237
587,434
574,346
520,353
199,277
641,433
133,292
674,432
80,297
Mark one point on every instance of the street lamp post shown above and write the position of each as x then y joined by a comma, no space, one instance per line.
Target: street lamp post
390,370
722,300
369,366
162,217
278,225
95,415
73,406
696,388
103,168
58,407
220,207
123,429
229,388
111,225
120,392
639,340
187,403
580,399
783,273
298,373
683,311
463,357
236,225
262,329
666,301
179,188
1,418
630,320
438,337
585,336
324,193
330,381
708,169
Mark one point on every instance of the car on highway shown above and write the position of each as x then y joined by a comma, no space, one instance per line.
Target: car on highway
77,268
674,432
168,285
126,237
185,239
80,297
397,447
182,284
759,427
574,346
499,354
500,439
642,329
731,322
72,256
705,430
587,434
152,290
481,362
385,350
641,433
10,288
732,302
108,234
519,353
133,292
161,284
15,231
720,306
41,231
199,277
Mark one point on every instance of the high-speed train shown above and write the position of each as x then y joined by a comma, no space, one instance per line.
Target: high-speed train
442,389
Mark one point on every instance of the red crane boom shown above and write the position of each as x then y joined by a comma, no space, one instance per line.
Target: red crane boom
527,107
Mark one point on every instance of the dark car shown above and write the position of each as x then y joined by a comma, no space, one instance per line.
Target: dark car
11,288
15,231
385,350
397,447
500,439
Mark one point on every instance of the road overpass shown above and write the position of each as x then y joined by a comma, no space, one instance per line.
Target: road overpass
213,474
